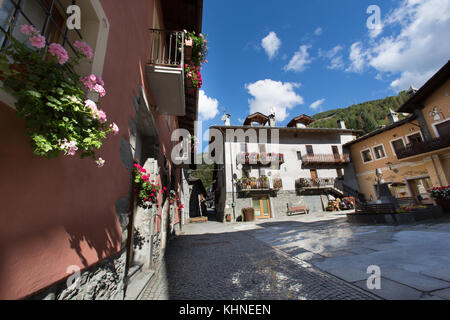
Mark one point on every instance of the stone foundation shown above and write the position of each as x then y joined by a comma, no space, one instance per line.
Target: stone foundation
103,281
278,203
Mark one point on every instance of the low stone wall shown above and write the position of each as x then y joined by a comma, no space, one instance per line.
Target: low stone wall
397,218
103,281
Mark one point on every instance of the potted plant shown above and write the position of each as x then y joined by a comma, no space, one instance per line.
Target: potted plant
146,190
249,214
277,184
52,97
441,196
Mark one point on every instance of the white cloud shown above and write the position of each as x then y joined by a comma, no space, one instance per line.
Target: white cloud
416,48
271,43
420,48
336,61
357,57
208,108
300,60
318,31
269,94
317,104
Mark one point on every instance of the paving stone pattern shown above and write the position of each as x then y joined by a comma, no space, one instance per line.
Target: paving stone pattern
237,266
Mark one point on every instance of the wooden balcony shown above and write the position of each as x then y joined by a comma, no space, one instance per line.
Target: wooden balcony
325,159
261,159
423,148
333,184
261,184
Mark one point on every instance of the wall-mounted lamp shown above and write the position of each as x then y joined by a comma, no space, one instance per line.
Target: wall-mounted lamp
389,164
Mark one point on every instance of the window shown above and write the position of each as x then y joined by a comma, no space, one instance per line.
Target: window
366,155
262,148
309,150
415,138
443,129
397,145
340,173
379,152
243,147
48,16
335,151
299,155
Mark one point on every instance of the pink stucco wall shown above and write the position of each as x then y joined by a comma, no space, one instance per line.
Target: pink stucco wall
61,212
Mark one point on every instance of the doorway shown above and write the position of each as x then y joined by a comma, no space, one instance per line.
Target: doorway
261,205
419,189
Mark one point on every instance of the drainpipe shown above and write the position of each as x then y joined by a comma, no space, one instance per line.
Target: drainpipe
232,183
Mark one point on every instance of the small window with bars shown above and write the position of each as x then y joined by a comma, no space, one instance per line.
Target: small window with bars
47,16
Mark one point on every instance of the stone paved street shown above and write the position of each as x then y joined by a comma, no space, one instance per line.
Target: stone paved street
318,256
235,265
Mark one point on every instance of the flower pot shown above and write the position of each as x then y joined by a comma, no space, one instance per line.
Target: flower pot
249,214
444,204
228,217
188,50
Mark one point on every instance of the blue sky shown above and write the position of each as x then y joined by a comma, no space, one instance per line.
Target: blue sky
317,55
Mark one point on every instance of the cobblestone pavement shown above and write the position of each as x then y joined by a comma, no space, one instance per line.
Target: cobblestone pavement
235,265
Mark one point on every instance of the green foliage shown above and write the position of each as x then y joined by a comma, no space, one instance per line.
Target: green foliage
50,99
205,173
146,191
199,47
366,116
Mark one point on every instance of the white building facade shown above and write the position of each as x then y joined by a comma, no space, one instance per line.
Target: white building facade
269,167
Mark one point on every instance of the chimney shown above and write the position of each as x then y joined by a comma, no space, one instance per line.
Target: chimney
272,120
226,119
392,116
341,124
411,91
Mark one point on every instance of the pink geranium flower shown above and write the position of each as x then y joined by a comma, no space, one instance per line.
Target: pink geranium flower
84,48
100,162
57,50
101,116
99,88
115,128
38,41
28,30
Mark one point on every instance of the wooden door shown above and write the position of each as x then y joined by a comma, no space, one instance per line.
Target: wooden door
314,176
261,205
335,152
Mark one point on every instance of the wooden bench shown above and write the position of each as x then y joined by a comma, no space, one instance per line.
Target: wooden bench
296,209
384,208
407,201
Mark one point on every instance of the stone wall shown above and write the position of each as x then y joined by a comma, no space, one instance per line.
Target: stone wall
278,200
103,281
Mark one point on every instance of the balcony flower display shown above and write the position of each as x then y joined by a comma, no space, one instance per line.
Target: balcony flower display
51,97
277,184
442,197
193,76
146,190
199,47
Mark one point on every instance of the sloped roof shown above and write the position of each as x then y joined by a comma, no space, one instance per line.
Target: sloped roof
256,117
304,119
427,89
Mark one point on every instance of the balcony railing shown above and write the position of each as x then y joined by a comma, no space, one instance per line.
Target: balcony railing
423,147
325,159
167,48
319,183
261,183
165,71
260,158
